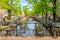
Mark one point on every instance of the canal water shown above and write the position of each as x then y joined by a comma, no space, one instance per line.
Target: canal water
29,30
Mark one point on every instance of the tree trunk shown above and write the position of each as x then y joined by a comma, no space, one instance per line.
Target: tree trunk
9,14
54,10
46,15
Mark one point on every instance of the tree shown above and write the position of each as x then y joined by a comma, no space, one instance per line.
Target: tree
41,6
54,9
10,5
27,11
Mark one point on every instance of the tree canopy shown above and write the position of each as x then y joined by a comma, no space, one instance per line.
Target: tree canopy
40,6
10,5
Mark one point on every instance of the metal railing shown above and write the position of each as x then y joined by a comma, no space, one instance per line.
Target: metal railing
18,32
23,32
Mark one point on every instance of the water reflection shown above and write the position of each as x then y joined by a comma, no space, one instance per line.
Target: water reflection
28,28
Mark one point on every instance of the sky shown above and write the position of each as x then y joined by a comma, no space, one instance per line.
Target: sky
23,3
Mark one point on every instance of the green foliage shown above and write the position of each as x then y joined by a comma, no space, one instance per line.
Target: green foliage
26,11
4,4
40,6
10,5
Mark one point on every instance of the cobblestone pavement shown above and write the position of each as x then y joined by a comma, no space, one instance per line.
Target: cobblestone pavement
29,38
